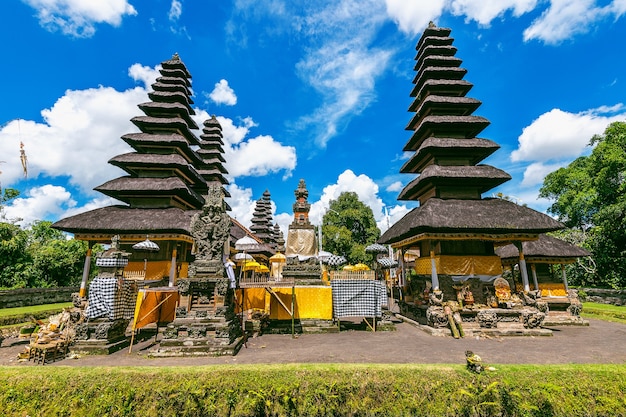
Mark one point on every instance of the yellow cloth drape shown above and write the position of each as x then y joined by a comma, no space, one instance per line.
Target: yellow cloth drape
460,265
155,306
311,302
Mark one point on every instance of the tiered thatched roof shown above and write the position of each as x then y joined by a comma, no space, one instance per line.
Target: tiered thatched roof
545,249
450,180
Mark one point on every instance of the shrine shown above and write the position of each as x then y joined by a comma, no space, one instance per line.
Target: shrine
457,285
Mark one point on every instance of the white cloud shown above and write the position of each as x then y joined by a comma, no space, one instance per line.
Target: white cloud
260,156
39,203
80,133
340,64
413,16
396,186
176,10
223,94
241,203
535,173
484,12
559,135
78,17
563,19
144,74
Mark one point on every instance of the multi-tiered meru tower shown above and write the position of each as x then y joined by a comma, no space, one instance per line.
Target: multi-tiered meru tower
454,229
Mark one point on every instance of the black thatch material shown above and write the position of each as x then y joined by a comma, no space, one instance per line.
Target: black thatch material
428,73
161,96
544,247
175,78
490,216
453,106
479,177
134,162
159,125
437,61
446,126
123,219
451,88
430,32
475,150
127,188
154,109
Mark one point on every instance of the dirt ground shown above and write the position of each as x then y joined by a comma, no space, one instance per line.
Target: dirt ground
600,343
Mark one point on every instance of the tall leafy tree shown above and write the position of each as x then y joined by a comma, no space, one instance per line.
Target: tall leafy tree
39,257
590,195
348,227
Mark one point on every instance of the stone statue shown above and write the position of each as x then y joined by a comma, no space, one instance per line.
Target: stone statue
211,227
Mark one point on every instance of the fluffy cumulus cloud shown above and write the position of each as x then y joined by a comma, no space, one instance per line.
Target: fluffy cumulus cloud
413,16
251,156
80,133
560,135
223,94
78,17
366,189
39,203
557,137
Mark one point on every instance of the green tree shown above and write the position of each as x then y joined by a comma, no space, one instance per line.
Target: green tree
348,227
57,261
15,261
590,195
39,257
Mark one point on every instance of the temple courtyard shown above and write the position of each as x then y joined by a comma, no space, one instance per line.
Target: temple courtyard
599,343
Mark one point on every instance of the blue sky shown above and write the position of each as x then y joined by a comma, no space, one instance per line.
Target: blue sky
313,90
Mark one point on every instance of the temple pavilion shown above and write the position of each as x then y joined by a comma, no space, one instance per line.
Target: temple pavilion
168,177
455,228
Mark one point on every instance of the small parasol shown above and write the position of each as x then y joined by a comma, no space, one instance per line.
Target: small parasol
387,263
376,248
146,245
335,260
246,243
361,267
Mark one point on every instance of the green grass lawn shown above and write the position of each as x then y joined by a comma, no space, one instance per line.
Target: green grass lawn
11,318
607,312
314,390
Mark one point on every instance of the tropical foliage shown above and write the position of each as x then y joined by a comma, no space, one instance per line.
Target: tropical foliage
590,197
39,256
348,227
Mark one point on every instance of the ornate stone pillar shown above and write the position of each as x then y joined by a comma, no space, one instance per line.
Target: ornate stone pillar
564,277
83,284
433,271
173,269
533,269
522,266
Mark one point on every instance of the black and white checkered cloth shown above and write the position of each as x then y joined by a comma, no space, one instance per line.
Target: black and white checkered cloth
112,298
111,262
358,298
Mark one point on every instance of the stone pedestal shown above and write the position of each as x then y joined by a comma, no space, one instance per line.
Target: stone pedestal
307,272
101,337
206,323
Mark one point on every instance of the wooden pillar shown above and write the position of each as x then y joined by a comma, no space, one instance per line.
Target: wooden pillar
83,284
173,268
564,277
533,269
522,267
433,271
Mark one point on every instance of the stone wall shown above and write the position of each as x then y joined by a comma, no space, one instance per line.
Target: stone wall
36,296
603,296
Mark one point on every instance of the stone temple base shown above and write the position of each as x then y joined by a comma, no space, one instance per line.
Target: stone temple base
197,347
474,330
101,337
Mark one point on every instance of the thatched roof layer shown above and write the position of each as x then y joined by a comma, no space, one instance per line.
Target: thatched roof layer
123,219
492,216
544,247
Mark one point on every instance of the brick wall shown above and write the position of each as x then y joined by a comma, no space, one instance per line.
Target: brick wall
36,296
